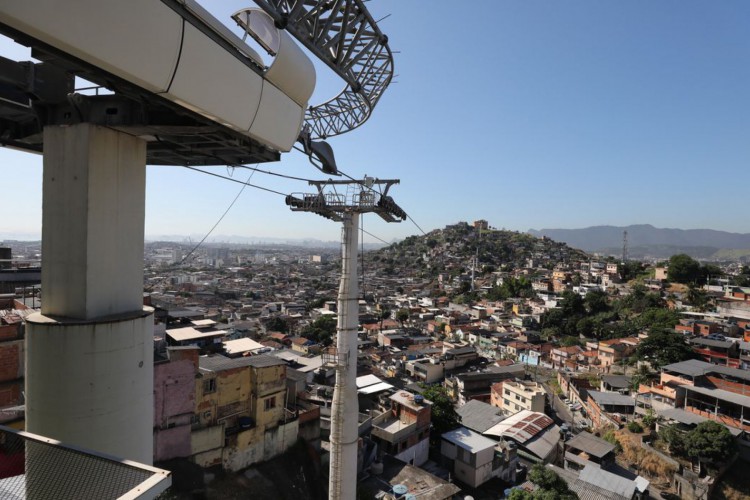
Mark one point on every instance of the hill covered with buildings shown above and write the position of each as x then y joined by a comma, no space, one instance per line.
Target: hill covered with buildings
458,249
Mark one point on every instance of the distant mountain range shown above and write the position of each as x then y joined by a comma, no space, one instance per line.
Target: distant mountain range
647,241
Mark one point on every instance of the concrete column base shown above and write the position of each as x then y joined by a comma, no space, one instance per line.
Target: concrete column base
90,382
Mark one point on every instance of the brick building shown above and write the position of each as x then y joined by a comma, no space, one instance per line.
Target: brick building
12,314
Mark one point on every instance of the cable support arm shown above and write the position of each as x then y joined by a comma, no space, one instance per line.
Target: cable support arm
343,35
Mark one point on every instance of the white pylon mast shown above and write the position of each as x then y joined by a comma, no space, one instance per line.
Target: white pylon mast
347,208
345,408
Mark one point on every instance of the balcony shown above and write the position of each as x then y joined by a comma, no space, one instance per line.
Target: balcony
32,466
662,390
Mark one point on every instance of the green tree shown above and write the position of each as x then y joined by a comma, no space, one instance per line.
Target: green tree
586,326
511,287
638,300
277,324
610,437
596,302
697,297
711,273
549,485
385,313
674,438
553,318
444,415
711,443
663,347
321,330
317,303
657,317
684,269
629,270
402,315
642,376
635,427
570,341
572,304
649,419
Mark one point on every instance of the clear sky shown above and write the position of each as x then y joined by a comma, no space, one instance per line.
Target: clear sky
530,114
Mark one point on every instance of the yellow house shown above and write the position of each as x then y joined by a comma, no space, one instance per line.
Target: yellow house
240,417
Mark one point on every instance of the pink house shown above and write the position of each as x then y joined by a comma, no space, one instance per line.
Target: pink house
174,402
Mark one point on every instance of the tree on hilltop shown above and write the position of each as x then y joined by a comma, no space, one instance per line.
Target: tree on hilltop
663,347
684,269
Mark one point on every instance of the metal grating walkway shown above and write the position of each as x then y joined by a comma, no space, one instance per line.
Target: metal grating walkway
37,468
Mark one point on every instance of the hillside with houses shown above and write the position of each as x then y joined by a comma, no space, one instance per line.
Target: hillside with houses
482,354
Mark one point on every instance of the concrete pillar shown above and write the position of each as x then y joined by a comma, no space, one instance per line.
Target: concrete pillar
93,208
342,481
89,356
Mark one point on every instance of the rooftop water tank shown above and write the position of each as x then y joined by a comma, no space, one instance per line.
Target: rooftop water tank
400,490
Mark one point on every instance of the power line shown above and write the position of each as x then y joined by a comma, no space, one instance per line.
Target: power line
244,185
238,182
415,223
197,246
379,239
273,173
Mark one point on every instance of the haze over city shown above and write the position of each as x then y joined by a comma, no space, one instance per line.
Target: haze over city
528,114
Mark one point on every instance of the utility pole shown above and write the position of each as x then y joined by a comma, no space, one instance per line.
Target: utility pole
358,197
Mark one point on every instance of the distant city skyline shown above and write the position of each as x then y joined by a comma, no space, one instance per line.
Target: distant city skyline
530,115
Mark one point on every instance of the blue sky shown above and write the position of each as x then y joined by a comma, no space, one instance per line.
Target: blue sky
530,114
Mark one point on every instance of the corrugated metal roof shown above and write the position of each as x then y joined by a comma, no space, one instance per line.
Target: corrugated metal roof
584,490
366,380
712,343
264,360
522,426
611,398
692,367
695,367
479,416
591,444
189,333
682,416
606,480
372,389
543,444
217,362
241,345
620,381
720,394
469,440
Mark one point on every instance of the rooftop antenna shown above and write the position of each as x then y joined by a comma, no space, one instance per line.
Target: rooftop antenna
358,197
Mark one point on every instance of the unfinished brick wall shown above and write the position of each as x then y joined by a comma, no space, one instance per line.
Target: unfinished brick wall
11,360
8,332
